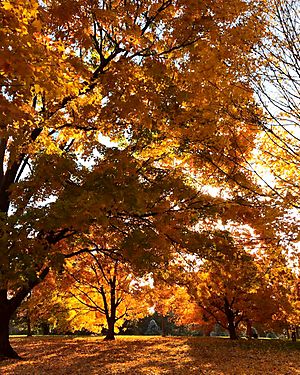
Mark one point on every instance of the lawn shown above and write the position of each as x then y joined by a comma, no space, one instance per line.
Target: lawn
151,355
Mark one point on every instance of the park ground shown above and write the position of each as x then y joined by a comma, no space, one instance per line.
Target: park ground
151,355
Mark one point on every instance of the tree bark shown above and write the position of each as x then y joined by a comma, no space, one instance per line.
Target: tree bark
110,335
163,328
28,322
5,315
232,331
45,328
230,320
110,313
249,329
8,308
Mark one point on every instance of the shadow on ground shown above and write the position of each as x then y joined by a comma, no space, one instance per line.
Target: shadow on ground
151,355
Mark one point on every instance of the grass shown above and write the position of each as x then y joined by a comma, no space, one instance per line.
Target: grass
134,355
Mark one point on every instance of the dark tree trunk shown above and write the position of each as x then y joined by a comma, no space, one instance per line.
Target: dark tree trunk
232,331
45,328
5,348
29,332
110,335
110,313
8,308
230,319
163,328
249,329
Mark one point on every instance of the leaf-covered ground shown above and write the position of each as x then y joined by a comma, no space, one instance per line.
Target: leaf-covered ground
151,355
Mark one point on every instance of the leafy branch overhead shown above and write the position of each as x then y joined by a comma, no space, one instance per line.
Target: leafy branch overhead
128,130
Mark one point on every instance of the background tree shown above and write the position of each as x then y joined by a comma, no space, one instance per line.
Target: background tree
103,292
241,288
233,287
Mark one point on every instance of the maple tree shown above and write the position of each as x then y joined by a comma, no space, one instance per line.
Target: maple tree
163,80
103,293
232,287
94,293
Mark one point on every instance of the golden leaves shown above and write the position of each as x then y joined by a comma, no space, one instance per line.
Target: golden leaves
7,5
132,72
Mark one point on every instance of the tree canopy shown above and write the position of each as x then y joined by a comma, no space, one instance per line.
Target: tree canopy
126,129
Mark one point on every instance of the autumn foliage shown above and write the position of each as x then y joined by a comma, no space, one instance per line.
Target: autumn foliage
128,135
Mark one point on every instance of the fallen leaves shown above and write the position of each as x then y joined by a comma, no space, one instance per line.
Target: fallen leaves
146,355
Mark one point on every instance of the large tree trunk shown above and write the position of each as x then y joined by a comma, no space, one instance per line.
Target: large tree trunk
110,335
230,320
5,315
8,308
232,331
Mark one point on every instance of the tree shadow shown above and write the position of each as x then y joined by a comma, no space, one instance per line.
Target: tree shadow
225,356
86,356
150,355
